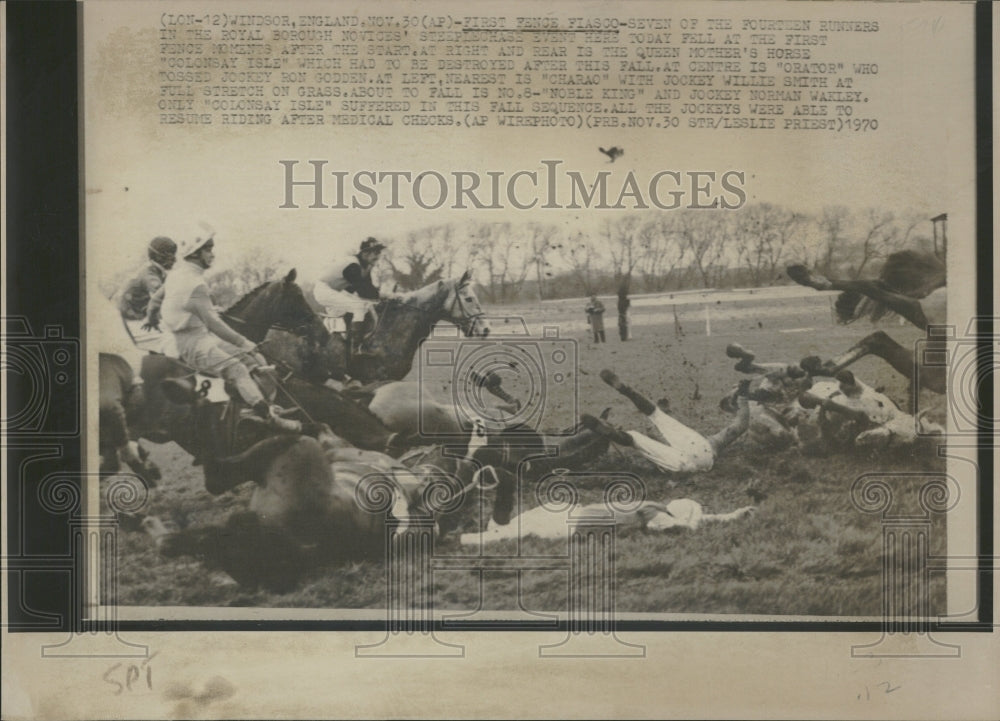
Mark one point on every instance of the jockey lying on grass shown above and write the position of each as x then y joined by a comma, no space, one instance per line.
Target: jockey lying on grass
648,516
681,449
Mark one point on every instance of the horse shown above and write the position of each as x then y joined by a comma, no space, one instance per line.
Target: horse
117,395
911,284
278,317
292,335
307,511
849,412
790,407
278,304
319,501
772,391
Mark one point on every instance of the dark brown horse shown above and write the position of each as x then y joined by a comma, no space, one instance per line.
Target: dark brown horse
911,284
319,502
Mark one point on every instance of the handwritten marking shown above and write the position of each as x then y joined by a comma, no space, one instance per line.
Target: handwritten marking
133,673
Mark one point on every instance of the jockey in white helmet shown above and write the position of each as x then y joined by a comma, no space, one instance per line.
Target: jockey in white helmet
204,340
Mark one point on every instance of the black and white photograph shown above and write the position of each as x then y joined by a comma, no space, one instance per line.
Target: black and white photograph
414,287
581,329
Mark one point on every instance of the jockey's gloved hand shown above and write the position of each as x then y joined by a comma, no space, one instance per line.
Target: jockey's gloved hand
152,322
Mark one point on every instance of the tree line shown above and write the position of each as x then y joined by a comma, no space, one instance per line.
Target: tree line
644,252
656,251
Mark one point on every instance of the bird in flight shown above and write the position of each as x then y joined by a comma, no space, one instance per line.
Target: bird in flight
613,152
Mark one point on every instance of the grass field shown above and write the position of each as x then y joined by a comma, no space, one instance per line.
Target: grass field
807,551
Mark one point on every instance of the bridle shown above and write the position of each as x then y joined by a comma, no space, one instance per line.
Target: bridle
466,320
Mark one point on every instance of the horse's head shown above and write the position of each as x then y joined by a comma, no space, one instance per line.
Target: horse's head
461,306
281,304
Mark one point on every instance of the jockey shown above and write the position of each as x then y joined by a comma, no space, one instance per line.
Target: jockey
345,289
204,340
135,296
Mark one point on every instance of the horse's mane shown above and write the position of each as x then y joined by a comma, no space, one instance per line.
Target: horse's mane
243,302
390,303
397,302
908,272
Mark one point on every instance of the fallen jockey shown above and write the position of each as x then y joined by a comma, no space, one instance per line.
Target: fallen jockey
682,513
850,411
681,449
788,406
773,393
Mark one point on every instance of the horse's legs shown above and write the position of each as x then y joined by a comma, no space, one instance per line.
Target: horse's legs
137,458
901,359
745,357
503,504
904,305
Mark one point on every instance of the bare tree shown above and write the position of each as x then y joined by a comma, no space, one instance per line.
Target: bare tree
624,245
764,235
540,242
505,255
249,270
662,252
701,233
581,254
834,223
414,261
880,236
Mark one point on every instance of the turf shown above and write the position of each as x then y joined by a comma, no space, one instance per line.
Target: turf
809,550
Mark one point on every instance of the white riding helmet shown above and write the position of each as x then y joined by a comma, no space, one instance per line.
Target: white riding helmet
190,245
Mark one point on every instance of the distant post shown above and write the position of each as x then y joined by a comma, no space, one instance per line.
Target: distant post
943,220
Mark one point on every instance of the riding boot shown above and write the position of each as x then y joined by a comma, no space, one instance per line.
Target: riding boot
356,339
273,416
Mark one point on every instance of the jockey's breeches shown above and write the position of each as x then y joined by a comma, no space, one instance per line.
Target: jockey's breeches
206,353
685,450
337,303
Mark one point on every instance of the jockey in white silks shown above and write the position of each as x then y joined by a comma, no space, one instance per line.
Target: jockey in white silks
680,449
346,292
204,340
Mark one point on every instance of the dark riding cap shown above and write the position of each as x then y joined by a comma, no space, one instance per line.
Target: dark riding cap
371,244
162,249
